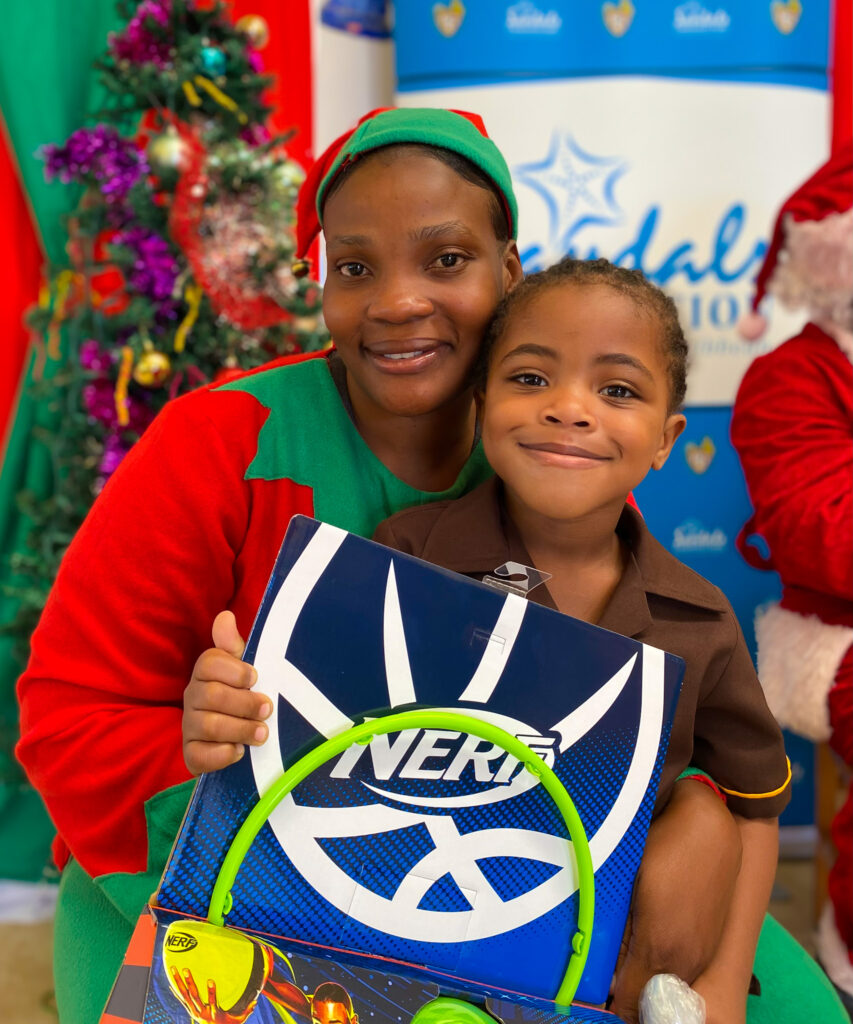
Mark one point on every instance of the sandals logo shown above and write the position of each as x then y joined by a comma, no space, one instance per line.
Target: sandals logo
692,536
694,16
448,17
579,190
525,18
786,15
617,16
425,798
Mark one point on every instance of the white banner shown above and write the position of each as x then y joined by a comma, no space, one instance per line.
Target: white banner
679,177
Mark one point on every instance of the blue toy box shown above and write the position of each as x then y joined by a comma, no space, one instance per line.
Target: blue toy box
426,860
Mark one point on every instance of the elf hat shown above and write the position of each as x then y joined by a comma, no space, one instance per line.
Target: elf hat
456,130
828,191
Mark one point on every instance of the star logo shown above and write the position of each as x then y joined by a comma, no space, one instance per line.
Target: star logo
577,187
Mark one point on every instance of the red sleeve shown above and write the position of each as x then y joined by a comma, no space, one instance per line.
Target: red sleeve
792,426
131,609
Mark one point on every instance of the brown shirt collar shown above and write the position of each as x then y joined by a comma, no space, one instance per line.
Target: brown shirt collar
474,535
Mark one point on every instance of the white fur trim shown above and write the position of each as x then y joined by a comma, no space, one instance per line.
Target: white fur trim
798,656
831,951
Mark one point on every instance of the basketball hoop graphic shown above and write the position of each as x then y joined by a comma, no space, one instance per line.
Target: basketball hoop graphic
300,829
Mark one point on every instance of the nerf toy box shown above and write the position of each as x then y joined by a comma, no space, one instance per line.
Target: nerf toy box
453,799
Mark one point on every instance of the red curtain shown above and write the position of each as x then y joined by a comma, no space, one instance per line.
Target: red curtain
842,73
20,269
287,55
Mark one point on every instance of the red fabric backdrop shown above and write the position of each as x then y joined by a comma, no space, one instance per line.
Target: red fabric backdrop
842,73
20,269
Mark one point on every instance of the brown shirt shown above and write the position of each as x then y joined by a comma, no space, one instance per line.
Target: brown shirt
722,724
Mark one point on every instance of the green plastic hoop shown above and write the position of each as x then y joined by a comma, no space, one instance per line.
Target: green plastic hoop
220,901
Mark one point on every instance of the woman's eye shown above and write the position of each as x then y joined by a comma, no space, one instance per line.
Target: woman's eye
449,260
618,391
351,269
530,380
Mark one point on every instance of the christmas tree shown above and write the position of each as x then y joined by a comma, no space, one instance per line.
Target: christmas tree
180,254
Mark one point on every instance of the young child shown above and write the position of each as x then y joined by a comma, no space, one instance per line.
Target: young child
582,374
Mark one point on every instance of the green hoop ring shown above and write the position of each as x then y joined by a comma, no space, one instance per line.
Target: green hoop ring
220,900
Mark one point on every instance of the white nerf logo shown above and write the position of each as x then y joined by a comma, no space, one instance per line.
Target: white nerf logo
432,754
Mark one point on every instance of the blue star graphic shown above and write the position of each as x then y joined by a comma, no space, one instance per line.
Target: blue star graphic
576,186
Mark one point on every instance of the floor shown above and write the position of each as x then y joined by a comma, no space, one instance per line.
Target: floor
25,950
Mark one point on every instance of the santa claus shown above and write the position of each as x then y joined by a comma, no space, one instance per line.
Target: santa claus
792,426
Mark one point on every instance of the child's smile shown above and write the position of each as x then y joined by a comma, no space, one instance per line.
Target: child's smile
576,405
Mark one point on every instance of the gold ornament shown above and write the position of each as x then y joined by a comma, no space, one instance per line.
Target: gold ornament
300,267
305,324
166,152
256,28
152,369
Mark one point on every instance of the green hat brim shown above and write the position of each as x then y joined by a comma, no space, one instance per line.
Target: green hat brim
444,129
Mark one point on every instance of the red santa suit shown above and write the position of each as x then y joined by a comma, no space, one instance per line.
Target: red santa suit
792,426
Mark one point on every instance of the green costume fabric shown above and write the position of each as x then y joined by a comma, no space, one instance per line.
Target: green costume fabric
47,86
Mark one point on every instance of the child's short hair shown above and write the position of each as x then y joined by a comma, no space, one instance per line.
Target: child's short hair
456,162
632,283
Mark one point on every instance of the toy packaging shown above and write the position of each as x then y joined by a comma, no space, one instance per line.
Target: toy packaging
444,824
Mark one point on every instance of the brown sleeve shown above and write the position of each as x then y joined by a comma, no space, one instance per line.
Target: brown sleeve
736,739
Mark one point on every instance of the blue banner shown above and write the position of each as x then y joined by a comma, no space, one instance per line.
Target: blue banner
696,506
483,41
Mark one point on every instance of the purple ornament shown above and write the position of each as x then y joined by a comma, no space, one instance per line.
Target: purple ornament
97,156
100,403
140,42
255,134
114,451
94,358
154,270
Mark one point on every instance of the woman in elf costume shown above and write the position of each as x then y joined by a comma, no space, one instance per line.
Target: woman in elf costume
420,222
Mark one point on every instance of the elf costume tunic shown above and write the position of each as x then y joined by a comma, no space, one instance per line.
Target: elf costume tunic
189,525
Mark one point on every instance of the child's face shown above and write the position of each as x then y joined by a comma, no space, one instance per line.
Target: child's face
414,274
575,408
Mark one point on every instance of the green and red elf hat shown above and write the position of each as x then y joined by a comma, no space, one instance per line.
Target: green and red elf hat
456,130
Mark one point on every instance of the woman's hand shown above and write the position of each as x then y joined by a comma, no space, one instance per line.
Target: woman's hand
221,712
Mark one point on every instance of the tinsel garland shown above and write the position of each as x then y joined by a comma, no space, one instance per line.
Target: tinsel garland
179,257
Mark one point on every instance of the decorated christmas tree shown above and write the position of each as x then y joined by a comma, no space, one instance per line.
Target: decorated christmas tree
180,253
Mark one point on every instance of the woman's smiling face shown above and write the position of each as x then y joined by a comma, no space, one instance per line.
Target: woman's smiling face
414,272
577,397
